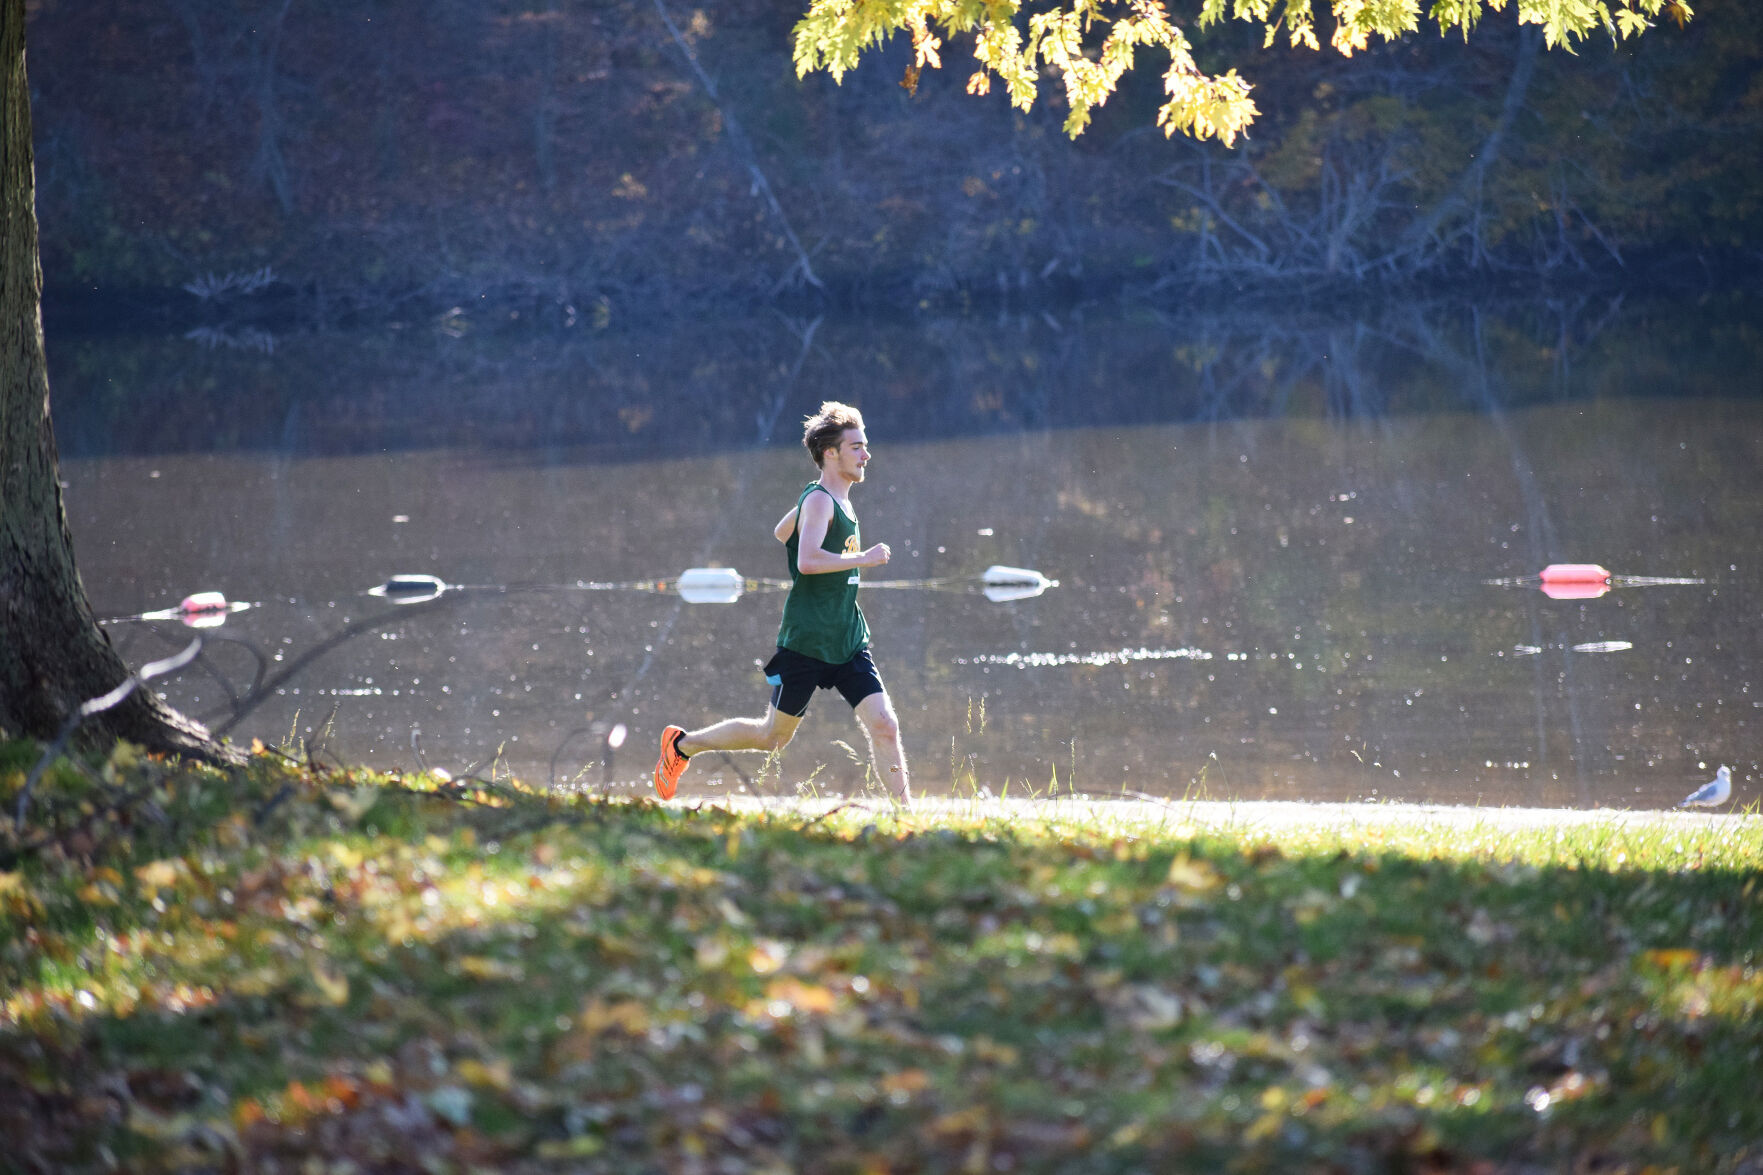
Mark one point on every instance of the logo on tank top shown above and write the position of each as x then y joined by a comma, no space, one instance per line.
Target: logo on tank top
851,547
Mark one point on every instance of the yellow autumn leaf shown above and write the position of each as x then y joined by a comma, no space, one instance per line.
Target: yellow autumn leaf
628,1016
804,997
1187,873
159,874
124,755
965,1121
1306,999
767,956
497,1074
906,1081
1667,960
484,967
332,985
1264,1127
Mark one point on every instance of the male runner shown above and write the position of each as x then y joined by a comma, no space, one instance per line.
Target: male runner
824,641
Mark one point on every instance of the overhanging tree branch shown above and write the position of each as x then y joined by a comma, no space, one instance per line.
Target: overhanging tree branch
1090,44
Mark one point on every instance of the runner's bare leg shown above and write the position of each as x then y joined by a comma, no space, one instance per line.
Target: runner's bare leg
880,723
770,733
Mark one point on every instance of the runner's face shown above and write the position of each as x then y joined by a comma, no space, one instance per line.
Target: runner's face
851,455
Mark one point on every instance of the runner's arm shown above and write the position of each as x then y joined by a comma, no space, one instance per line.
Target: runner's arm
817,515
784,526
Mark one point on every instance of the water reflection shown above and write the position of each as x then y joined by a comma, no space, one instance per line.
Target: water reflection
1290,606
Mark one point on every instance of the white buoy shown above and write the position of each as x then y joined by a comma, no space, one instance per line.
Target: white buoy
999,574
1001,584
1003,593
710,585
410,589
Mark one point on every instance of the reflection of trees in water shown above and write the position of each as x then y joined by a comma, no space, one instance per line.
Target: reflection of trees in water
728,384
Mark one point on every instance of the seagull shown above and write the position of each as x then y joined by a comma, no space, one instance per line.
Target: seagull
1713,793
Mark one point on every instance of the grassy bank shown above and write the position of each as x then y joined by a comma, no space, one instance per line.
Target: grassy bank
252,970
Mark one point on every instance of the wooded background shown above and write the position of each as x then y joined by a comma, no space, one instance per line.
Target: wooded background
630,159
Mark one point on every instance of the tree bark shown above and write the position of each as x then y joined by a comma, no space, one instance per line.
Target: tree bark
53,653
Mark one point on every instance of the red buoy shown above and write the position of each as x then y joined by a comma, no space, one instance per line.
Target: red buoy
1575,573
204,610
1575,590
1575,581
203,603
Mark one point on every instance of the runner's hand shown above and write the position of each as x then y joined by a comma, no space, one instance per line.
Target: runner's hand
877,555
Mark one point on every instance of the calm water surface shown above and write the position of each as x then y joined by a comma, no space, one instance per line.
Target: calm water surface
1303,601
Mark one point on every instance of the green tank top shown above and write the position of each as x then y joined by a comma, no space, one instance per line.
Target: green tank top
821,616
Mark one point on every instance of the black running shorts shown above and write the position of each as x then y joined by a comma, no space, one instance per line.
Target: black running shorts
794,677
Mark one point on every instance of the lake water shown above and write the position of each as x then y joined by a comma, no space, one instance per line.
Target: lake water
1294,560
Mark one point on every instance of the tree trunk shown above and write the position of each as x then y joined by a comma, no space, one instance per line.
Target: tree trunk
53,654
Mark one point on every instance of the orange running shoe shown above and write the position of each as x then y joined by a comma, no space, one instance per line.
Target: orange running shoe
671,765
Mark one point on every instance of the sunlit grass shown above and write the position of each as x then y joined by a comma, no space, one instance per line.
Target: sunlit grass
275,964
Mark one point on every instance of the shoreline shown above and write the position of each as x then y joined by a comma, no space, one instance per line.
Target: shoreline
1247,814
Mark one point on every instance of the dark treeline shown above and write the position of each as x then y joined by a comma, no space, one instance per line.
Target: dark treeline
605,160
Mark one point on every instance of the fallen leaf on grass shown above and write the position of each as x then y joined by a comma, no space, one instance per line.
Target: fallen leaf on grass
970,1120
100,893
1189,874
496,1074
767,956
803,997
627,1016
332,986
156,875
484,967
1671,960
907,1081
